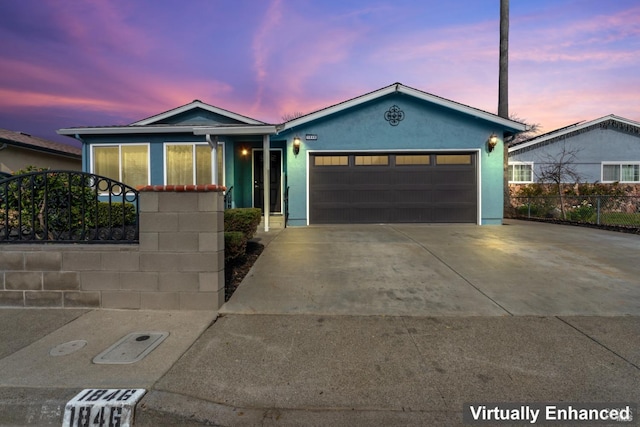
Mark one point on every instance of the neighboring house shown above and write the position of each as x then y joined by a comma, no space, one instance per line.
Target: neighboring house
19,150
607,150
393,155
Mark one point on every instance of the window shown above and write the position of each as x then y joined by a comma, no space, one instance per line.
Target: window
127,163
188,164
331,160
520,172
413,159
372,160
621,172
453,159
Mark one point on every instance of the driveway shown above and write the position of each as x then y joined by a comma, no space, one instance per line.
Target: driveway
520,268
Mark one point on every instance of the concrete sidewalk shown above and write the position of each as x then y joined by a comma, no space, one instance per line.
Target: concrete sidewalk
247,370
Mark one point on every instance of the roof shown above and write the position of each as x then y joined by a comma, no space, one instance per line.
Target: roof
221,129
150,125
24,140
400,88
610,121
195,105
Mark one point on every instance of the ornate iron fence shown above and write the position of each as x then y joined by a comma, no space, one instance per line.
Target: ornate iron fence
228,198
67,207
591,209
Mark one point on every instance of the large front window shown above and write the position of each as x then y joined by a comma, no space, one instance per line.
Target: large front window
187,164
520,172
621,172
127,163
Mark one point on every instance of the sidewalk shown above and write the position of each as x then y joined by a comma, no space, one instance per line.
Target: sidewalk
248,370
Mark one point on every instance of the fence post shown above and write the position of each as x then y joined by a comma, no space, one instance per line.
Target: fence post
598,210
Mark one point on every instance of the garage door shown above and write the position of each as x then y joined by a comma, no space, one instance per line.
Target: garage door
352,188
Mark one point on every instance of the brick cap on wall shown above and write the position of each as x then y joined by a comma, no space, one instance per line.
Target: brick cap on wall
184,188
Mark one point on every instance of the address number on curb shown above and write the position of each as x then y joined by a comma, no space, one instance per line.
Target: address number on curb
98,407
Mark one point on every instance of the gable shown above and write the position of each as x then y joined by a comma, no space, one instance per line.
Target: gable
197,108
398,89
199,117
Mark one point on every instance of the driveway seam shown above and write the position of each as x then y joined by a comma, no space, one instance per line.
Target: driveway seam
452,269
597,342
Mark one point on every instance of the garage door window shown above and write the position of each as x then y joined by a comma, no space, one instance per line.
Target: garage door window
413,159
453,159
331,161
372,160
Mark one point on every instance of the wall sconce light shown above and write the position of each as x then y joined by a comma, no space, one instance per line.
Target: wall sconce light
492,142
244,152
296,145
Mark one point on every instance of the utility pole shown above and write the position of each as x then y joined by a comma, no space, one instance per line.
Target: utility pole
503,76
503,99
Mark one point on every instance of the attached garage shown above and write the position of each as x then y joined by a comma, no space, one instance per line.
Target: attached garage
402,187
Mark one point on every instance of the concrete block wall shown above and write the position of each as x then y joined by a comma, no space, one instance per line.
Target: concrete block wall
178,264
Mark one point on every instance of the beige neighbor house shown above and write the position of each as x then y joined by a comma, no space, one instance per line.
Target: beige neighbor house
19,150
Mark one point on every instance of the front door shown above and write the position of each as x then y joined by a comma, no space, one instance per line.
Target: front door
275,193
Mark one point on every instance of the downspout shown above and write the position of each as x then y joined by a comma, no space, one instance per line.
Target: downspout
214,162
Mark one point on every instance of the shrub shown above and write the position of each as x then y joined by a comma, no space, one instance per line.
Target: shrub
582,212
117,215
235,246
245,220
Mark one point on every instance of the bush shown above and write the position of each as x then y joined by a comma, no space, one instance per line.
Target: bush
235,246
245,220
582,212
116,215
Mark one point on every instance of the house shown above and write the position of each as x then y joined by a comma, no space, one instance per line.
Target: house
19,150
605,150
393,155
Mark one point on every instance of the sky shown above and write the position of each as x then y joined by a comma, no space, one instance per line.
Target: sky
67,63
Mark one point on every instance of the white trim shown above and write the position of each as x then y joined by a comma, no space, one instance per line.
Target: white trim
620,163
253,178
476,151
119,146
517,162
196,130
192,106
400,88
193,145
235,130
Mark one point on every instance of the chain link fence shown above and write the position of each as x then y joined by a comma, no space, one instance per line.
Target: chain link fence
592,209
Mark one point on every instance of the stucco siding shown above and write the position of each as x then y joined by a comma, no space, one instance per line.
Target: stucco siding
424,128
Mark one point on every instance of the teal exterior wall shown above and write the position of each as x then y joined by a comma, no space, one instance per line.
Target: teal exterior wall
425,126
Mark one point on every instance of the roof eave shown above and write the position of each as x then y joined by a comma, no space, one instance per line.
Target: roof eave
565,131
400,88
196,130
238,130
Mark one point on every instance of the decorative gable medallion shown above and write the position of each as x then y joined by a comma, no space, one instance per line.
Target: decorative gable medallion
394,115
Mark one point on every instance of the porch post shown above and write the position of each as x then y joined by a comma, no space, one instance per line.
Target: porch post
266,158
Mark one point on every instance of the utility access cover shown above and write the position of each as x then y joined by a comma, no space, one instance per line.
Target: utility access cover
131,348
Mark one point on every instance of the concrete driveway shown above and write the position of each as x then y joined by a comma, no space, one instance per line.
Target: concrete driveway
520,268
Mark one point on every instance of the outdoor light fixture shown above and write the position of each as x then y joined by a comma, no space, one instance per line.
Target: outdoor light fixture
296,145
244,152
492,142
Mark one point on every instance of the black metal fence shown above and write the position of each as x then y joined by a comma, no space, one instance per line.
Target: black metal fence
67,207
591,209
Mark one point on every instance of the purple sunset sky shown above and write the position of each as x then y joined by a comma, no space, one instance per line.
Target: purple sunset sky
68,63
